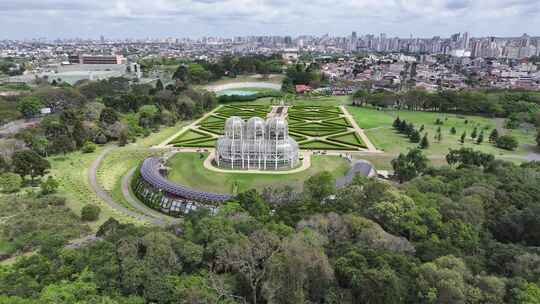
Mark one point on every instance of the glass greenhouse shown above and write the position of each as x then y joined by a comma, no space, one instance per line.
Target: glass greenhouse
256,144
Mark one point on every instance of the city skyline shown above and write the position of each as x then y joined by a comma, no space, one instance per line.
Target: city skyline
138,19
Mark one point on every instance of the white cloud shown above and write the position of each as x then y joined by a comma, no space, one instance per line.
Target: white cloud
140,18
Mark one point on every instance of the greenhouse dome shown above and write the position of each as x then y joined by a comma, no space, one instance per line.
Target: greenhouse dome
256,144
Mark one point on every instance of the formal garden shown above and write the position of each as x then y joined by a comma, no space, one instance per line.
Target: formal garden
313,127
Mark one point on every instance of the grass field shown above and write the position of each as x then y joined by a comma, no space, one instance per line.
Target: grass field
114,166
187,169
378,126
71,171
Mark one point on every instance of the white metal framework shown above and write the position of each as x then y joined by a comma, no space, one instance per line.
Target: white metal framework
256,144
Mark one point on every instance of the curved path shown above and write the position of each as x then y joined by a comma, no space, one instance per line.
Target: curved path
104,196
133,201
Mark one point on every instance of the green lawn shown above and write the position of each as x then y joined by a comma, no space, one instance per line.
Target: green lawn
71,171
115,166
378,126
187,169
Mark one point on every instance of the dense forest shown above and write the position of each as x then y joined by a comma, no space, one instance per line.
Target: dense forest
464,233
100,111
204,71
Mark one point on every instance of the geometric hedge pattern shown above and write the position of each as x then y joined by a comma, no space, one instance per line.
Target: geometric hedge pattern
322,128
313,127
207,131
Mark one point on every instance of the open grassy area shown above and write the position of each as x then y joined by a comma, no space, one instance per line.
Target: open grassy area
187,169
115,165
378,126
71,171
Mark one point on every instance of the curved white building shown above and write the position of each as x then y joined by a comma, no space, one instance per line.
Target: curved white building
256,144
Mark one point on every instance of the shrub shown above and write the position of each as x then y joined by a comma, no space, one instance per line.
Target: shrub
88,147
49,186
507,142
90,213
54,200
10,182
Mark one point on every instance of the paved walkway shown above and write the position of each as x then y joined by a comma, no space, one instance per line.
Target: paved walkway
306,164
105,197
360,131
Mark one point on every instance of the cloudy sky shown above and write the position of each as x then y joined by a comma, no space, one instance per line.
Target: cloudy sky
196,18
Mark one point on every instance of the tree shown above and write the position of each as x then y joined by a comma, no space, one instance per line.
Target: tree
528,293
28,162
507,142
415,136
159,85
438,136
462,138
148,115
443,281
4,164
88,147
403,126
360,97
468,157
453,131
29,106
300,272
409,166
49,186
493,136
424,144
474,133
397,123
320,186
90,213
538,138
108,116
82,290
480,138
10,182
249,257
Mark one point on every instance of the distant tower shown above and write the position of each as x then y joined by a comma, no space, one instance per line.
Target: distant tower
102,39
